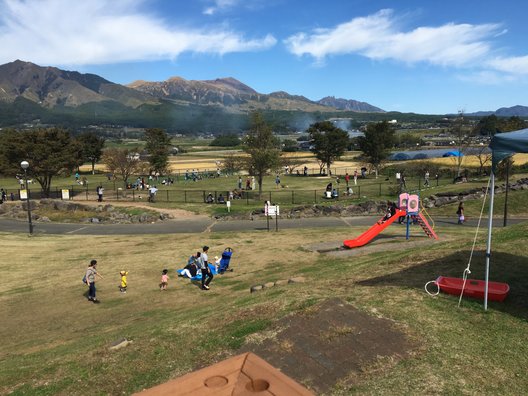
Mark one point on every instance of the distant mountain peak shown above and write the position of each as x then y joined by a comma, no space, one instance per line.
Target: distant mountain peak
231,83
51,86
517,110
349,104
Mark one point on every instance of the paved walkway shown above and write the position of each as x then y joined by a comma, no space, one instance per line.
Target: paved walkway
199,225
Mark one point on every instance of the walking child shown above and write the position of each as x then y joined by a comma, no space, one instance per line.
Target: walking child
123,285
164,280
460,213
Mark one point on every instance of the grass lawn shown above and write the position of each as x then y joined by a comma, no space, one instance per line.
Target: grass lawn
55,342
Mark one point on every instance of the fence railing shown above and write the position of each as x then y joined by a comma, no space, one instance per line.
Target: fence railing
365,189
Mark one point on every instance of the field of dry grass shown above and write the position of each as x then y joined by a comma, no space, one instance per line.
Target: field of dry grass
208,160
55,342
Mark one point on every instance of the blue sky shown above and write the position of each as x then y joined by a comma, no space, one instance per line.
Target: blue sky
422,56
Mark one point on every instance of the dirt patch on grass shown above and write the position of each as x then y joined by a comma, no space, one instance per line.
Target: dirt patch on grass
331,345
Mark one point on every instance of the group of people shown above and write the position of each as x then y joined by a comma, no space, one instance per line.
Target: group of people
198,263
220,199
330,192
83,181
250,183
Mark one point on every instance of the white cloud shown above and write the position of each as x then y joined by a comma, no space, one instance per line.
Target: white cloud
377,37
487,77
219,5
64,32
513,65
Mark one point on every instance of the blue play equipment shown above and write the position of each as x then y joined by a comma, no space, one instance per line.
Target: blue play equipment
224,261
199,275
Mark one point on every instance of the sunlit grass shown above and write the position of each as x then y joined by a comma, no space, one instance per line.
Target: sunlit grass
55,342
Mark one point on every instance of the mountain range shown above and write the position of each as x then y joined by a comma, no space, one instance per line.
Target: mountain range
519,111
48,95
50,87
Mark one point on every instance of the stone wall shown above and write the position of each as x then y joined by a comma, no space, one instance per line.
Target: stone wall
442,199
94,214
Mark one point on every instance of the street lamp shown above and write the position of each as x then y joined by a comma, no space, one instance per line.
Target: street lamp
25,166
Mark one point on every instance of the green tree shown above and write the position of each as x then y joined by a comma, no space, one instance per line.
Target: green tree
49,151
487,126
289,146
407,140
232,164
375,145
490,125
262,147
460,131
91,147
157,146
329,141
229,140
123,162
513,123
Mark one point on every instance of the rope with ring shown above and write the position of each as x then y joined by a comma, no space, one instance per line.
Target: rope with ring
437,286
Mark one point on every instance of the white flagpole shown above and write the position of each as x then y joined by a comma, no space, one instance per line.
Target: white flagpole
488,248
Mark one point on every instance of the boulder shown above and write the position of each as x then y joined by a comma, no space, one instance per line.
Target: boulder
255,288
297,279
32,204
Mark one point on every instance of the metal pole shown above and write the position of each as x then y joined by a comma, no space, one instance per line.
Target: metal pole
505,223
488,246
266,209
276,219
28,204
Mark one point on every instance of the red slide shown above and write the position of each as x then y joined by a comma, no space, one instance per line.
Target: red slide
368,235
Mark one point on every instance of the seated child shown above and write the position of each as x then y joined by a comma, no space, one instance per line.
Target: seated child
391,211
191,269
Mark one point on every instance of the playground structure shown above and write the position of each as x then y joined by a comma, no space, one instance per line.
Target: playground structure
408,207
245,374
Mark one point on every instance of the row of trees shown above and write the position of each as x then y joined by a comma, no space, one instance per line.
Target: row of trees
49,151
490,125
54,151
329,144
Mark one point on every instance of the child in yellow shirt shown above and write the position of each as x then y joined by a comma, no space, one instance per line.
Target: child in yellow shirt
123,285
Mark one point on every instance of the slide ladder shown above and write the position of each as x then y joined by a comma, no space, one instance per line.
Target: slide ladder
422,221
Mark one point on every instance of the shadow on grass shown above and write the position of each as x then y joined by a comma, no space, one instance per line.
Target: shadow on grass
504,267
